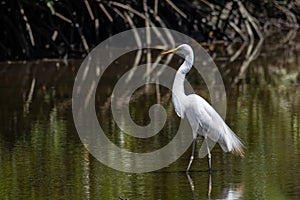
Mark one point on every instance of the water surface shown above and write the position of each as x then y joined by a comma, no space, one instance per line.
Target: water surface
42,156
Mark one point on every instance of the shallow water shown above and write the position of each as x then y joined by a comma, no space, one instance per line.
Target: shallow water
42,156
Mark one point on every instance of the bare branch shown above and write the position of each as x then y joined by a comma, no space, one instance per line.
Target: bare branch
176,8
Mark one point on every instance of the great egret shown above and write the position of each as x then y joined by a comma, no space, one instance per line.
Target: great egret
203,118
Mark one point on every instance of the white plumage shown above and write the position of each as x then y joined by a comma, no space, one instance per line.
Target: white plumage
203,118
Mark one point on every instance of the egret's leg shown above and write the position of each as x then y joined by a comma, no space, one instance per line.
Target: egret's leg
209,162
209,157
192,156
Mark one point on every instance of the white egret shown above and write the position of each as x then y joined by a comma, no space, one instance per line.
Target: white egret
203,118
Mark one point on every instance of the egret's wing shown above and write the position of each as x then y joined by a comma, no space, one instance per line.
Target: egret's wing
208,119
213,128
216,126
218,131
209,128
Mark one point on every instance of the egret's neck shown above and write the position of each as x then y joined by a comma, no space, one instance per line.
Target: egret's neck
178,85
187,64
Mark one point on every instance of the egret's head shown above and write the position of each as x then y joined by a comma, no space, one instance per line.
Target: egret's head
187,52
183,49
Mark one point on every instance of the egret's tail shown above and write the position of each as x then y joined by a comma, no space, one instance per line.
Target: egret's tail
231,143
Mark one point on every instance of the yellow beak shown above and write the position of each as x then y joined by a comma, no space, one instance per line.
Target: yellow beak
170,51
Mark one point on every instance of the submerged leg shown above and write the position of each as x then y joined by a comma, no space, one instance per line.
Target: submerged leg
208,157
192,157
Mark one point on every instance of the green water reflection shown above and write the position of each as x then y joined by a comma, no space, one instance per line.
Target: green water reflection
42,157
